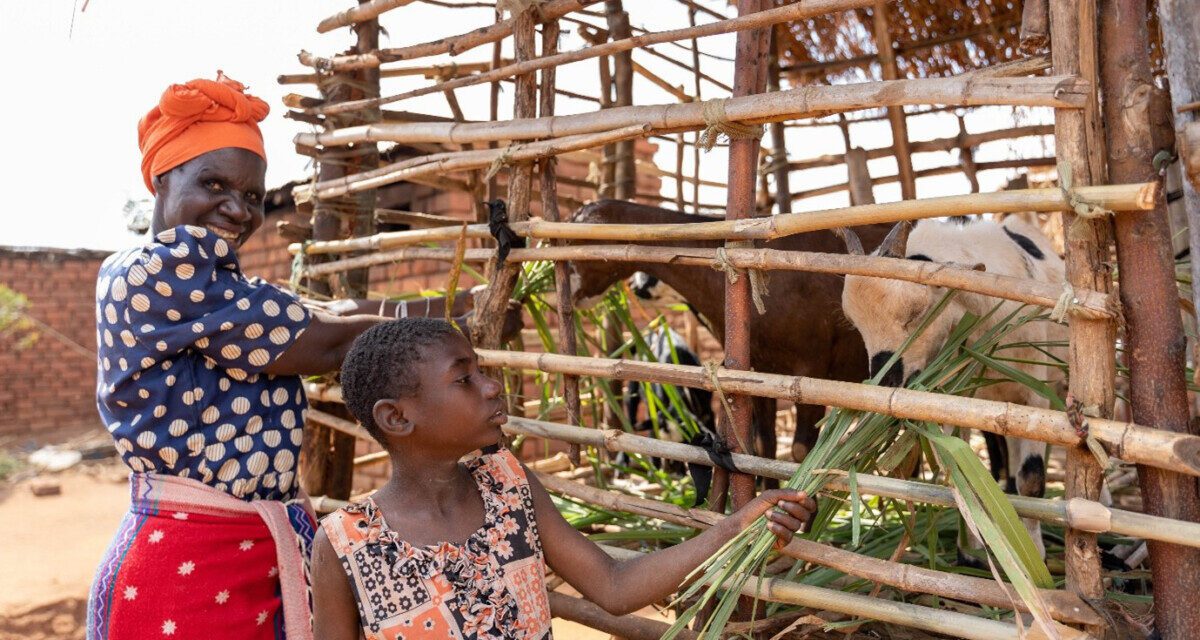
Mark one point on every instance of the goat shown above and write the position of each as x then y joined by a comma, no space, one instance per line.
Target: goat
803,332
668,347
886,311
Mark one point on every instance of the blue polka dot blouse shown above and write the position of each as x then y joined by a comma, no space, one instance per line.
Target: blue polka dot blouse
183,340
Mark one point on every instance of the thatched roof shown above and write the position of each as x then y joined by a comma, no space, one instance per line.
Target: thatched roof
931,38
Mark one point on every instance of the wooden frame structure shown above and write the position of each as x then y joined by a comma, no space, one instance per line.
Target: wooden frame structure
350,117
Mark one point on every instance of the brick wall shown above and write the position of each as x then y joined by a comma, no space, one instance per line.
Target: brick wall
49,388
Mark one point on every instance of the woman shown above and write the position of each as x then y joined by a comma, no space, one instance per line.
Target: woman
199,384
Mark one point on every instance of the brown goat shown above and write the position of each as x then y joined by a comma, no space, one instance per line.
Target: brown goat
803,332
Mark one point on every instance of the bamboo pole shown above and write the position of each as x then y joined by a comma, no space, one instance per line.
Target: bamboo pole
454,45
451,161
799,102
860,184
959,625
1018,163
1058,512
696,75
454,69
887,64
779,161
800,10
1089,304
1149,294
1063,605
939,144
364,12
1132,197
1091,358
630,627
1127,441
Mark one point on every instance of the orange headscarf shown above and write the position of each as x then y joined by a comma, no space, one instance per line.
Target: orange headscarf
195,118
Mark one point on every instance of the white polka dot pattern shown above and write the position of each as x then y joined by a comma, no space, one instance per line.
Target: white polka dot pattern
182,300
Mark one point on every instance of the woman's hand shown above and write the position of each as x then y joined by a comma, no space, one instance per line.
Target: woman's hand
787,511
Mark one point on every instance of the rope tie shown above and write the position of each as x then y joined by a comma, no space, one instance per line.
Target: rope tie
500,162
1065,302
711,367
1082,207
758,281
772,162
610,439
717,124
1077,417
594,174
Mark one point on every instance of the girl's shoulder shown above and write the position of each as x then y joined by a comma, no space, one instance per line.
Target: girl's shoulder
353,526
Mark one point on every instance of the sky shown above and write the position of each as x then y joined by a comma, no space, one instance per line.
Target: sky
79,80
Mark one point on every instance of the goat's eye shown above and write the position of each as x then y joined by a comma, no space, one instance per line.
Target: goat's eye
212,185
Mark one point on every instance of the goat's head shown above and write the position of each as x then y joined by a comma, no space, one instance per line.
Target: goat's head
886,312
591,278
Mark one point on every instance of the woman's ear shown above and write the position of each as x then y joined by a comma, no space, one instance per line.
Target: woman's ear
389,417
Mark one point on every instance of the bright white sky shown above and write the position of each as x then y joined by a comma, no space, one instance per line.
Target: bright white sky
78,82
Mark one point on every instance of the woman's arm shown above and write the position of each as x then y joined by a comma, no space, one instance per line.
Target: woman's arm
335,615
322,346
623,587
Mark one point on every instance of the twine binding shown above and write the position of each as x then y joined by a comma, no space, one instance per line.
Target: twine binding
758,281
718,124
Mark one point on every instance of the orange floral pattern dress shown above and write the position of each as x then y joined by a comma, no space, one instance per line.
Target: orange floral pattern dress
490,587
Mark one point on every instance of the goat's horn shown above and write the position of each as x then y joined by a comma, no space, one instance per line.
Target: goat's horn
895,245
853,244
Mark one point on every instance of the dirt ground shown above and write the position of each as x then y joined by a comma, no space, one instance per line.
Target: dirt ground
52,545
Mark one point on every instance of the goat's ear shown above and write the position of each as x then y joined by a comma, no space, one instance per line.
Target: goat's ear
895,245
970,266
853,244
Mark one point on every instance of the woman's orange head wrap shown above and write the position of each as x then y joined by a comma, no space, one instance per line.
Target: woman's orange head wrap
195,118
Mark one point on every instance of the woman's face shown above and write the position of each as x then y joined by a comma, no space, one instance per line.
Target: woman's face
221,191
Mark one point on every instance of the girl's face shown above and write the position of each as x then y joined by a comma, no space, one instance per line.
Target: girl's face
457,408
221,191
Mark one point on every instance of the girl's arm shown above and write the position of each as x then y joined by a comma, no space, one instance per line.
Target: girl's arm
621,587
335,616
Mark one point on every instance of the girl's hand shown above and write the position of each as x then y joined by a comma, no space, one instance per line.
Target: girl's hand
787,511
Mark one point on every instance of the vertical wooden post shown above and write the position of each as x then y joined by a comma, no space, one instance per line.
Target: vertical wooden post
966,155
329,454
750,75
861,187
562,275
1154,329
1092,358
494,110
487,323
1180,25
887,64
625,171
783,190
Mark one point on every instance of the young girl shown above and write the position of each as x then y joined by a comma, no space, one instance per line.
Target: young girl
458,549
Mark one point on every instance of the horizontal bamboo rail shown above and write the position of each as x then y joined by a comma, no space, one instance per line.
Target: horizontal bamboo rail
450,161
1062,605
1129,197
801,102
1059,512
431,71
939,144
959,625
1084,303
1127,441
1015,163
361,13
454,45
800,10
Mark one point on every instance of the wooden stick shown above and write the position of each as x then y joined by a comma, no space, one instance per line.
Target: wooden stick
1018,163
361,13
591,615
939,144
454,69
454,45
808,101
959,625
450,161
1127,441
1063,605
347,427
899,125
800,10
1129,523
1133,197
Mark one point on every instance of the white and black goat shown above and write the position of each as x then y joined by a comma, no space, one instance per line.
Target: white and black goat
887,311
